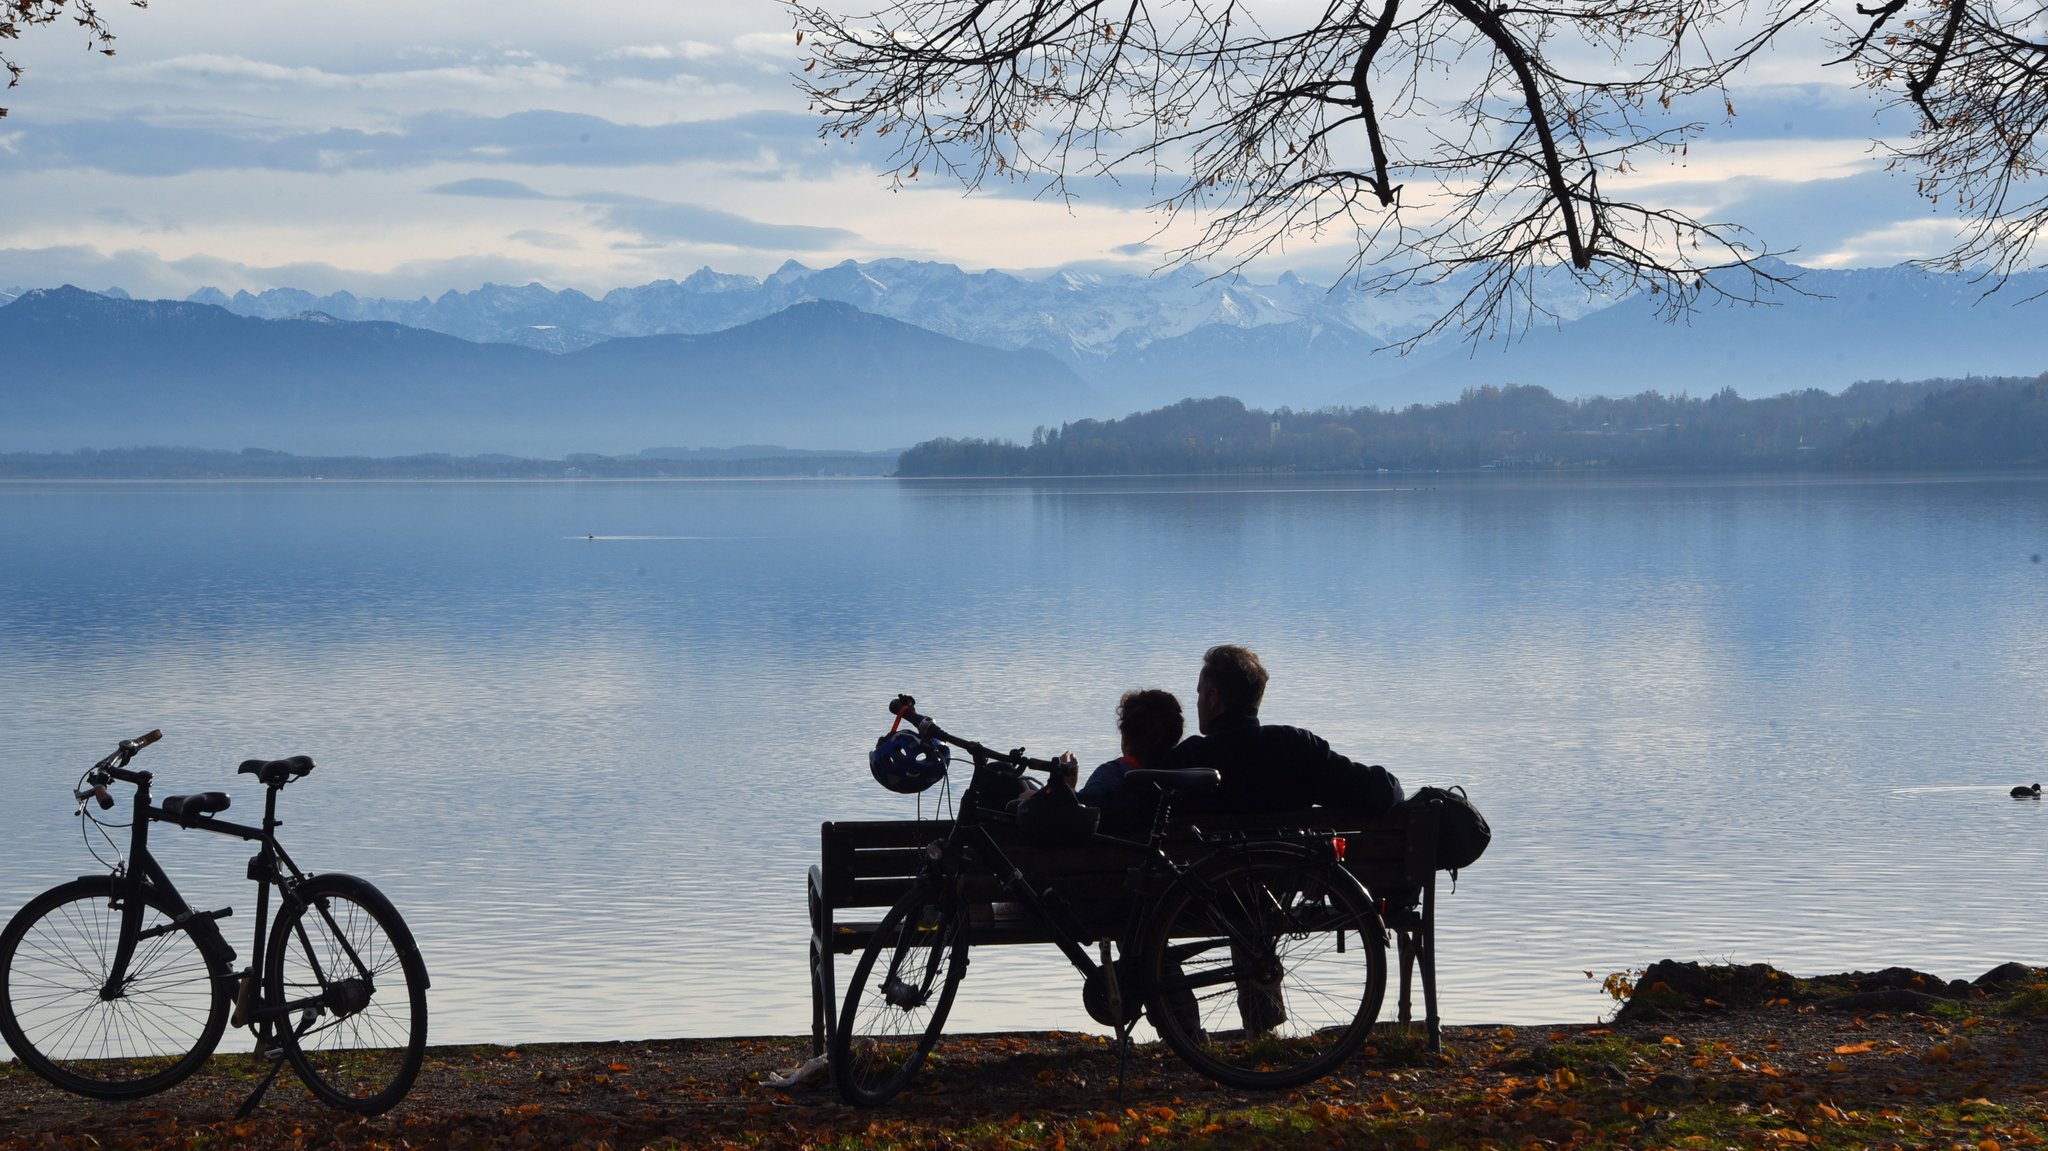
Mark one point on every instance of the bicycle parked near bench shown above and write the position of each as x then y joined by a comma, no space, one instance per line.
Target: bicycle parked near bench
113,986
1261,961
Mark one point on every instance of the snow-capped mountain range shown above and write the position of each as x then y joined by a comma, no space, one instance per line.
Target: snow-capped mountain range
1139,340
1142,342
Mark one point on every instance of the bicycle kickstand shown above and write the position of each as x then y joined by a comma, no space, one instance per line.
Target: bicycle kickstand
274,1054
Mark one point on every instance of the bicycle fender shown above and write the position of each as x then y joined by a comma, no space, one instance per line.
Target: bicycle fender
361,890
212,944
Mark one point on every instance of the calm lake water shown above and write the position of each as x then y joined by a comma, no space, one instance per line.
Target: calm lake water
1710,718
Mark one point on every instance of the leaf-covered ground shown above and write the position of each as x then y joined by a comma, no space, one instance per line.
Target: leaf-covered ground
1705,1058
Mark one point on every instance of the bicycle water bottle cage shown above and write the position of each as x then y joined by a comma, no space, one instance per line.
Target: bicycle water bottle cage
277,772
904,762
195,806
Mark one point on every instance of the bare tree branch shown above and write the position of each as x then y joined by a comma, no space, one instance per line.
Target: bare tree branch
17,15
1976,72
1459,142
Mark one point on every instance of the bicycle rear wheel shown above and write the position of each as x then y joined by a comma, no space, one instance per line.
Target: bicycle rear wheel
1268,967
897,1003
350,993
55,956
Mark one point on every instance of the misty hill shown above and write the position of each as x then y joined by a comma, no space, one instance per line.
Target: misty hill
89,370
1898,323
1928,423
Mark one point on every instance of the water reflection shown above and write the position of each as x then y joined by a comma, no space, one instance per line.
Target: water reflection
584,733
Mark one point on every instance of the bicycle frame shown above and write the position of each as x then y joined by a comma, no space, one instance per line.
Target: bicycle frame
144,873
969,845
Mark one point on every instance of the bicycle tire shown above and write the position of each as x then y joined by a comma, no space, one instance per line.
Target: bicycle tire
1248,982
351,987
888,1023
54,956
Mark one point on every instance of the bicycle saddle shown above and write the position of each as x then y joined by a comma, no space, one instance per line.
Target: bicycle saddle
195,806
1188,780
277,772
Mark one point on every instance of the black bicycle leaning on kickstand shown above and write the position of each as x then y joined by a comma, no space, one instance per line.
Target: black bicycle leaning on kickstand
1258,958
112,986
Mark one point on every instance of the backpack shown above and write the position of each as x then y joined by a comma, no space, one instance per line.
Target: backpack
1462,834
1053,816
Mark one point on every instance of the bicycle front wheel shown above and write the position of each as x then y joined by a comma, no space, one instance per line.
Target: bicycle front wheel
1268,967
897,1003
346,994
56,1012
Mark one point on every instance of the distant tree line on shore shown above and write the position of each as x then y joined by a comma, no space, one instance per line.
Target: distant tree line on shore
259,463
1978,422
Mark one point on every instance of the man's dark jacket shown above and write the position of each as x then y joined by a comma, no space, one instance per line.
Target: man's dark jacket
1268,768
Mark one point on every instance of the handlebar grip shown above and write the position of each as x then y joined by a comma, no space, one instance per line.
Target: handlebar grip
102,796
146,738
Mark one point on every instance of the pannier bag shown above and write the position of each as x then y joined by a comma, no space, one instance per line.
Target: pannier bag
1462,833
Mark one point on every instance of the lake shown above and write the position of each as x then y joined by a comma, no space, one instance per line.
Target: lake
583,733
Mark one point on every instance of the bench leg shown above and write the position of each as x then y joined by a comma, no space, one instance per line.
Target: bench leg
817,1001
1404,947
1426,946
821,973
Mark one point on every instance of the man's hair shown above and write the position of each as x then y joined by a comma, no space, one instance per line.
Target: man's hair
1150,721
1236,676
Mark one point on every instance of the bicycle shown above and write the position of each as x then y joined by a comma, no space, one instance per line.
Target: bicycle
114,987
1261,962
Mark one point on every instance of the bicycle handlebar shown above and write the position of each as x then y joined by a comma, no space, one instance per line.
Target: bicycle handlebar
112,768
904,708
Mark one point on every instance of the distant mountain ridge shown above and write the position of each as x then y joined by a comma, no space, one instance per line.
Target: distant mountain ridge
88,370
1136,339
1897,323
1144,341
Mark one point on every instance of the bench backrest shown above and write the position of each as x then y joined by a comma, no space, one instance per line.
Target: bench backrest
872,863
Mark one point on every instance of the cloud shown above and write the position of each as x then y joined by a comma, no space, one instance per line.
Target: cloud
147,275
489,189
552,241
507,71
138,144
1794,112
658,223
1818,216
777,46
687,50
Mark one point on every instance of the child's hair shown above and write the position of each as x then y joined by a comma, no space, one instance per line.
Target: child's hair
1150,721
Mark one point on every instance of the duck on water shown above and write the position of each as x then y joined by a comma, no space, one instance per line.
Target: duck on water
2033,792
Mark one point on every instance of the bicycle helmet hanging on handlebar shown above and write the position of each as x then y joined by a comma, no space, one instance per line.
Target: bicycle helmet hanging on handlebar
907,762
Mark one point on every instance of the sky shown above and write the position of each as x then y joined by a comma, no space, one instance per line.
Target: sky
409,149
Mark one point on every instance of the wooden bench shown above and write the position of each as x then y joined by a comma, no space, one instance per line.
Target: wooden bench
865,867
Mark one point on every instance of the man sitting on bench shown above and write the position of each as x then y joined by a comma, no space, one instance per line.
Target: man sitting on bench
1267,767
